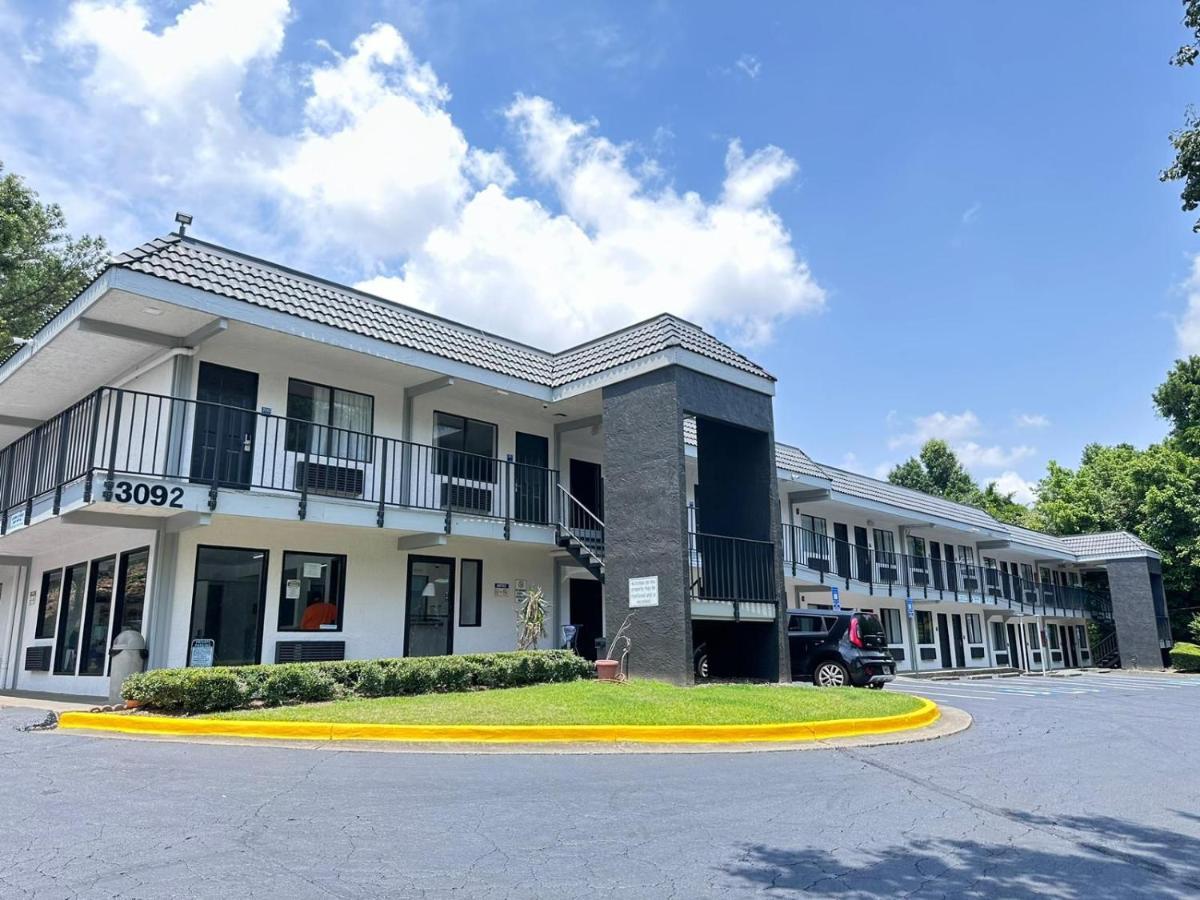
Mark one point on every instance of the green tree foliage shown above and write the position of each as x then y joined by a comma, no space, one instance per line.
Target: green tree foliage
1186,140
1178,401
41,266
937,470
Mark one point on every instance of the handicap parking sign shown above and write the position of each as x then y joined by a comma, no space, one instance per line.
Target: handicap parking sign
908,606
837,598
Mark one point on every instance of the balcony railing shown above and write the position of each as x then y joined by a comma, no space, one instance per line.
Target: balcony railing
731,570
924,577
117,433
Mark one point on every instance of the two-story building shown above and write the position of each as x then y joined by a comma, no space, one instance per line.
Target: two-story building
246,463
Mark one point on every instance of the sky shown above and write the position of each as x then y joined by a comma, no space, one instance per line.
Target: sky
925,219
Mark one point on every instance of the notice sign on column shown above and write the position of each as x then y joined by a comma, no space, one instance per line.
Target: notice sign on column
643,591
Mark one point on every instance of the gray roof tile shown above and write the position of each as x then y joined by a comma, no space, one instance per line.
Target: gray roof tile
1108,545
218,270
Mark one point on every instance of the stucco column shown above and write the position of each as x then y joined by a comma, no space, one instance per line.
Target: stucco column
1131,583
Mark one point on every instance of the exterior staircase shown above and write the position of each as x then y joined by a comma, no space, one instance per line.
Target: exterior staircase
581,534
1106,654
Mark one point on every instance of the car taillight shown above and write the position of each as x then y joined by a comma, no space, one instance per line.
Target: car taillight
855,637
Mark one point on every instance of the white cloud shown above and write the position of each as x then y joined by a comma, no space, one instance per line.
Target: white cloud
749,64
364,174
976,456
949,427
1011,483
971,212
1031,420
1187,328
959,430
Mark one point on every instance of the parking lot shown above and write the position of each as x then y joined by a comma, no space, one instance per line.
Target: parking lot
1081,788
1053,689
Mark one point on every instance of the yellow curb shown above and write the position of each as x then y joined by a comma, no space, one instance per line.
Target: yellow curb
927,714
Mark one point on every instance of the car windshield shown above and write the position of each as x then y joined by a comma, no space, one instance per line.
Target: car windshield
869,625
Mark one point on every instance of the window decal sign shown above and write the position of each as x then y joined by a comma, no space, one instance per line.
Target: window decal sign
203,651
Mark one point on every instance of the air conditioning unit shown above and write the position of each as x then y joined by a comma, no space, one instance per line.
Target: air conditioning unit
463,498
333,481
37,659
309,651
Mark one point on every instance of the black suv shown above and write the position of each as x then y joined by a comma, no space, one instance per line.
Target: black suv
835,649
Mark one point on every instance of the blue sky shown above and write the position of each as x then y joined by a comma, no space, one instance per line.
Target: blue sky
927,219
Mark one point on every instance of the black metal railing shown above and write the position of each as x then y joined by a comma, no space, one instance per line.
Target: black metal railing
926,577
577,521
731,569
115,433
1165,638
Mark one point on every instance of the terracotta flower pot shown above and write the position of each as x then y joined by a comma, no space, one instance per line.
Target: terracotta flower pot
607,669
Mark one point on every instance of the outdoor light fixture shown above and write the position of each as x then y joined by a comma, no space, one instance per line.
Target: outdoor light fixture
184,221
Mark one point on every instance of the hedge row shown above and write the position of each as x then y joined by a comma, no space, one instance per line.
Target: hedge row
1186,657
236,687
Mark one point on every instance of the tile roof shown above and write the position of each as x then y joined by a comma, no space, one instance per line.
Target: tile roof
867,488
1108,545
218,270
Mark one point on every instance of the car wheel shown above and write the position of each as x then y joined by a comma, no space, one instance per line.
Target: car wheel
702,664
830,674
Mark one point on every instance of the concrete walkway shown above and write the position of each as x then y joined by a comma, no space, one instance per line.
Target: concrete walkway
56,703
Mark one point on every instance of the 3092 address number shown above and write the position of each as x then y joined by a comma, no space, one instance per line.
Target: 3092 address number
148,495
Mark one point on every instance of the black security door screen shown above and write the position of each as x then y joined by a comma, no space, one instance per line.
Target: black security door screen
531,482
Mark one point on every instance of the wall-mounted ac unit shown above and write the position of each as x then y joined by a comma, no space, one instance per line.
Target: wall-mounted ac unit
465,498
334,481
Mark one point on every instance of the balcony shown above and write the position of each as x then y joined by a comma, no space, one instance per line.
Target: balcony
731,578
167,453
882,572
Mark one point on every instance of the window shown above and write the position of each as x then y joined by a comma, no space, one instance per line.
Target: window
94,652
1032,632
924,627
131,590
1044,573
227,603
885,547
313,589
999,637
966,555
342,421
470,597
991,573
473,443
814,534
807,625
1052,636
1027,575
891,625
974,629
66,647
48,605
916,549
1081,637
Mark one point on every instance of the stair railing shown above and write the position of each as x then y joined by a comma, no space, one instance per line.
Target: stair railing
578,522
1106,648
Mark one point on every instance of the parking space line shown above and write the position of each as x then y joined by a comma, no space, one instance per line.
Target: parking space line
921,692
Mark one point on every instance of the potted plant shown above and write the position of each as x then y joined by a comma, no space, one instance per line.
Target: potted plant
611,668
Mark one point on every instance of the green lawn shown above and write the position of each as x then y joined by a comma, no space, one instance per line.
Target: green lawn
602,703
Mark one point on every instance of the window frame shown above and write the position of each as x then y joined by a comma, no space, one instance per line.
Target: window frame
462,583
885,614
60,630
974,635
340,587
928,617
437,465
295,434
89,610
41,619
262,598
885,556
122,582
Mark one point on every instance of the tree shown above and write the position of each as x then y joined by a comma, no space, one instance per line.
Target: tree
1152,493
1186,140
1003,507
41,266
936,470
1178,401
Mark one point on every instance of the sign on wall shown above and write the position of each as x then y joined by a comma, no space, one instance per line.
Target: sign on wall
908,606
202,653
643,591
837,598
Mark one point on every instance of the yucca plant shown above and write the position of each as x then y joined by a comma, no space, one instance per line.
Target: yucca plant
531,618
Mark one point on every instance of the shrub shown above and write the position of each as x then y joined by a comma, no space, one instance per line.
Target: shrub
1186,657
234,687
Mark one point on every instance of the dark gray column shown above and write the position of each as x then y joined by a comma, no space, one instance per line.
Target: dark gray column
645,505
1131,584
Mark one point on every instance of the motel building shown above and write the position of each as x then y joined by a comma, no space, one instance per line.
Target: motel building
249,464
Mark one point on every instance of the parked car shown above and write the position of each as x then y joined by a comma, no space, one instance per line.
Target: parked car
835,649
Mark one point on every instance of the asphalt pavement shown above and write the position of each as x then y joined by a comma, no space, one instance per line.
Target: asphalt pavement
1069,788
